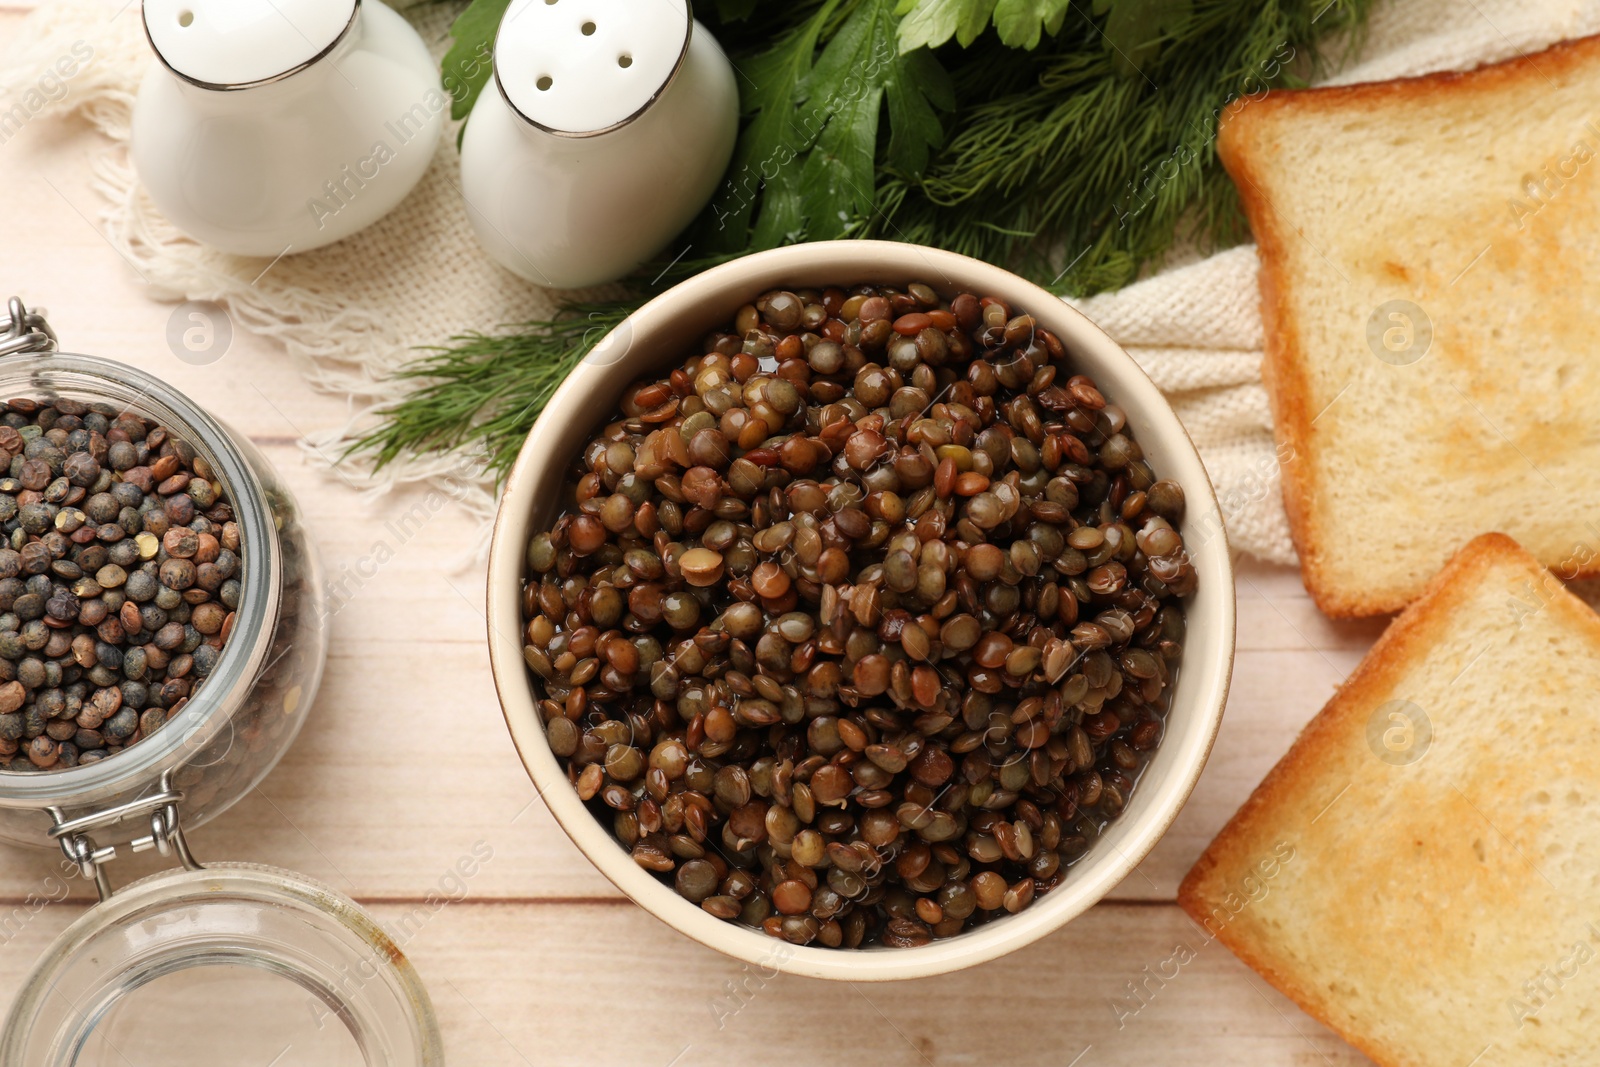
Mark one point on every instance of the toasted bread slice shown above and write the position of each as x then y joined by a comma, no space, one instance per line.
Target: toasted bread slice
1419,872
1430,264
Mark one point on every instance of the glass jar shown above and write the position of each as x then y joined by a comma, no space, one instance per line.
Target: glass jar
265,952
243,718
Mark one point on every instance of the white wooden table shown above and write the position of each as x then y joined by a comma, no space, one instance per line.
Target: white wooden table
405,767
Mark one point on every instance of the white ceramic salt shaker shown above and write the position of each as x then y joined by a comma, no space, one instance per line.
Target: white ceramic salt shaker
267,127
605,130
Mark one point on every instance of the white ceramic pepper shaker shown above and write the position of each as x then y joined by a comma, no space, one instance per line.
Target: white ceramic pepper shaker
266,127
605,130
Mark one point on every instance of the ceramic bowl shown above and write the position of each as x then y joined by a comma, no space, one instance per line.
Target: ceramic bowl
655,339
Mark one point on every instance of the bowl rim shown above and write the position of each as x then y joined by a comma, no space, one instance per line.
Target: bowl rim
1103,867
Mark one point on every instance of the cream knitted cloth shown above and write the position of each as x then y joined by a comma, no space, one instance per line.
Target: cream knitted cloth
349,314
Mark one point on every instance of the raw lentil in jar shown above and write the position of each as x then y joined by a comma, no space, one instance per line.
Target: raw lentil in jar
119,577
860,624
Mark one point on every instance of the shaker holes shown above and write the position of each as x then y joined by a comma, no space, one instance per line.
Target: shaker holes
624,60
186,19
588,29
544,82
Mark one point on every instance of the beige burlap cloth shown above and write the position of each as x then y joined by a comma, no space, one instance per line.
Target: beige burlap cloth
349,314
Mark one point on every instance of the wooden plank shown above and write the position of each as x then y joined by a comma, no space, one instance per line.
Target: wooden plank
405,762
582,984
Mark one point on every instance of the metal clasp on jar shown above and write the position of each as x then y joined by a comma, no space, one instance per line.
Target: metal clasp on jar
165,836
28,332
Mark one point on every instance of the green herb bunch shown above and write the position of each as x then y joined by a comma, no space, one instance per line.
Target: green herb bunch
1072,141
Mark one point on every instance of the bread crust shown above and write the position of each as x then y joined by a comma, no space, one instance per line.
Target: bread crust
1417,630
1241,148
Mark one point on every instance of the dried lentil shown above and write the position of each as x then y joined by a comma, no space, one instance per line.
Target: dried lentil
114,588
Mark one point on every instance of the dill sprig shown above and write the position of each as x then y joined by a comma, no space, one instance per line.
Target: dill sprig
483,391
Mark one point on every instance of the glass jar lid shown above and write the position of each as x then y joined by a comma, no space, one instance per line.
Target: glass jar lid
233,963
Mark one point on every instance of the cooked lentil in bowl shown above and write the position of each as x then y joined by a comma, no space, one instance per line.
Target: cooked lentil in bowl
859,625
